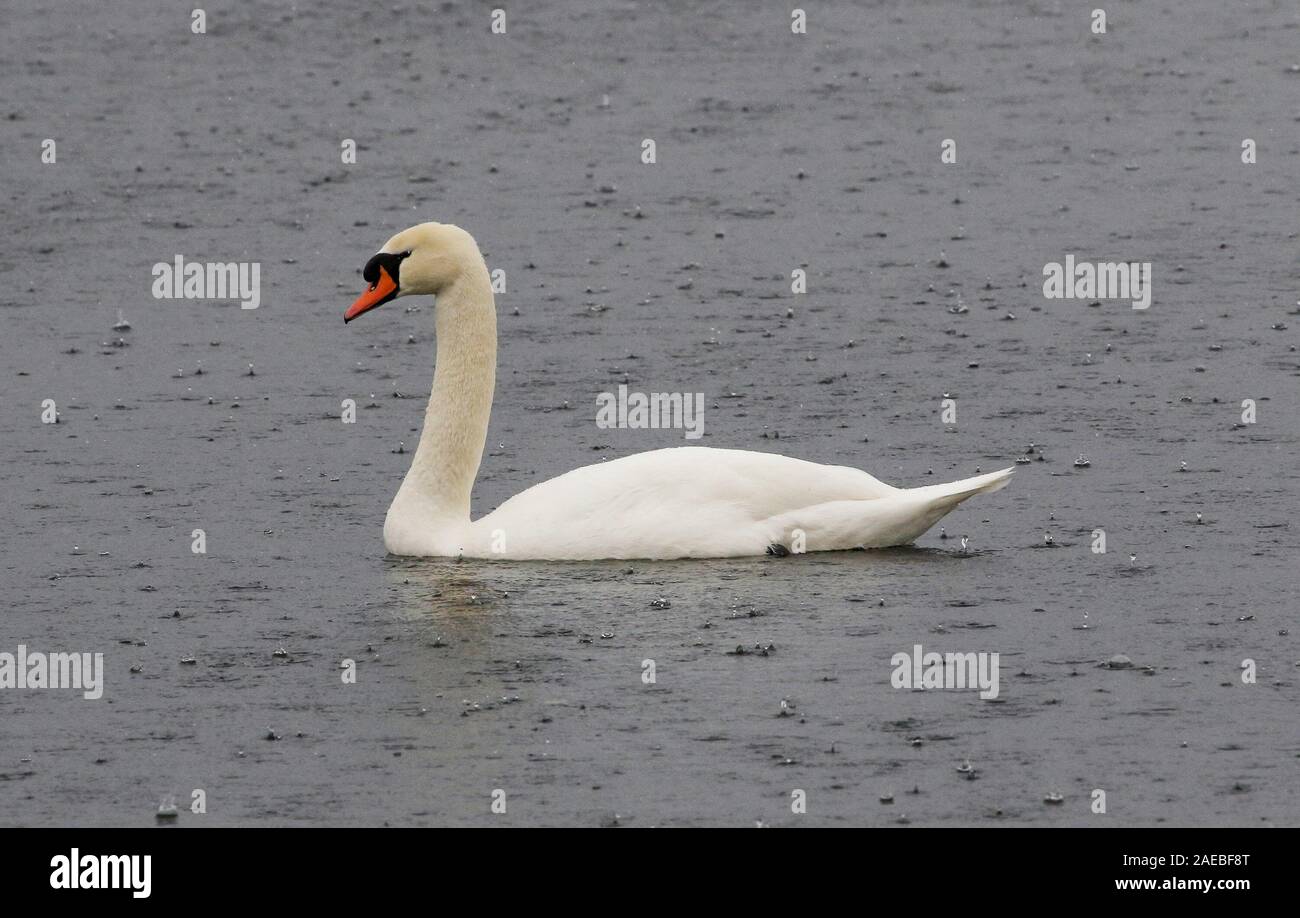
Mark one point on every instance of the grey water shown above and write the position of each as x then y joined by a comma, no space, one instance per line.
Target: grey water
775,151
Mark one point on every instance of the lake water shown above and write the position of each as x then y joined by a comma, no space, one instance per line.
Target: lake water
775,151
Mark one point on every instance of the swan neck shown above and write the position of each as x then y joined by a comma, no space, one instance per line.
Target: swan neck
460,404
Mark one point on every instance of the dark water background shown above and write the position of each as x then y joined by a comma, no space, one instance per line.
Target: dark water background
775,151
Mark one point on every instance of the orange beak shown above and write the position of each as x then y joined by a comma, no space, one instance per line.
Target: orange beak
381,292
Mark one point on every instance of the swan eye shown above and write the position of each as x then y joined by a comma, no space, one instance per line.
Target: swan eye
389,261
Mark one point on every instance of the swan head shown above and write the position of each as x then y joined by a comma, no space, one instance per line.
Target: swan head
421,260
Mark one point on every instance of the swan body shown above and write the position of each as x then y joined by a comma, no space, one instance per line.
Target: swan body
687,502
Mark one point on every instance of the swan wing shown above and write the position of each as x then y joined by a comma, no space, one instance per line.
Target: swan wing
762,484
682,502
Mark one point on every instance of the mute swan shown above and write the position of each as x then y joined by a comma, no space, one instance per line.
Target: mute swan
688,502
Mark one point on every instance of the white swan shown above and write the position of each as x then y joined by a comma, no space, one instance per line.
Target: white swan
690,502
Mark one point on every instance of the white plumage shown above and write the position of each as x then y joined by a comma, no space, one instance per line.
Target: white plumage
689,502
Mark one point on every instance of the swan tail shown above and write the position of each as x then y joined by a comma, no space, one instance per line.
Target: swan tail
897,519
946,496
